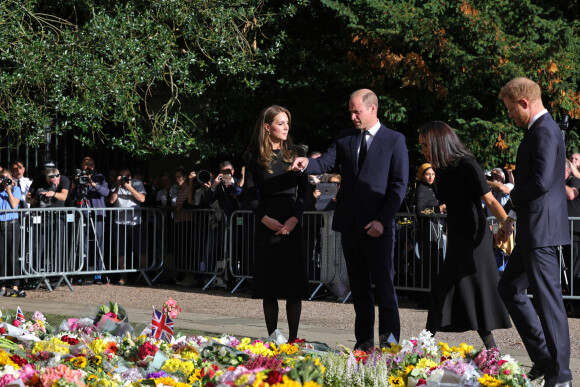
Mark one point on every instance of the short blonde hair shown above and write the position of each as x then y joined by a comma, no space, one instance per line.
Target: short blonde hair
519,88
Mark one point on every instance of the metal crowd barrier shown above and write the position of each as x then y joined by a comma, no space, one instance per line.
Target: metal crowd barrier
197,240
62,242
49,243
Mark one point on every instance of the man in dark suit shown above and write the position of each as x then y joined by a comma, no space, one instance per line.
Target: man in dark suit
374,166
539,202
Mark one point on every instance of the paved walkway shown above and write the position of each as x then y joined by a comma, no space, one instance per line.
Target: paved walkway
239,327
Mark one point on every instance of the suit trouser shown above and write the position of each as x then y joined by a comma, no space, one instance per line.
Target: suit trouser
370,260
546,338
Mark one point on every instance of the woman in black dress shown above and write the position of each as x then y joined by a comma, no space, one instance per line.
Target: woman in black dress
430,227
277,196
465,295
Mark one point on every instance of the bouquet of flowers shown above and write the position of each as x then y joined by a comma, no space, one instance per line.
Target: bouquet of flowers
112,319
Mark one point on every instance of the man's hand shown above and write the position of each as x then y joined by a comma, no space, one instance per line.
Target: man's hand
299,163
374,228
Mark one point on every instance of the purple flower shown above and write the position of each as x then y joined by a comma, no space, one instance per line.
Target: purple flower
156,375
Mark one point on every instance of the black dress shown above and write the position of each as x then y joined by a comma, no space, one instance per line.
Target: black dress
280,263
465,295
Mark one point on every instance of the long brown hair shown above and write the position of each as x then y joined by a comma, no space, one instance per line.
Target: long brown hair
261,146
445,146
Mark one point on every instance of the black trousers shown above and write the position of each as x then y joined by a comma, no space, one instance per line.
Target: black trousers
370,261
543,326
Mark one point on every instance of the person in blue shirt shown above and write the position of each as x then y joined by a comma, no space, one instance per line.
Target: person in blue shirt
10,197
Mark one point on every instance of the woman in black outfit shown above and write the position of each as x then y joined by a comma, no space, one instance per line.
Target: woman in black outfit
430,228
465,295
277,196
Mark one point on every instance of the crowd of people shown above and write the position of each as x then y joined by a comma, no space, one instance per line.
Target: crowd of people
363,178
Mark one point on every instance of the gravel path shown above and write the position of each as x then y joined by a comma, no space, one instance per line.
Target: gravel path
323,313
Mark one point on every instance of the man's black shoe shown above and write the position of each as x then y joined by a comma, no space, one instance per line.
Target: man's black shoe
365,346
538,370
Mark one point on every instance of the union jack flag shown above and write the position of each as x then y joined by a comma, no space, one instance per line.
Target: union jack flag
20,315
162,326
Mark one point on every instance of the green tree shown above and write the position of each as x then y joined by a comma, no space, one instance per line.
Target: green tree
447,60
133,75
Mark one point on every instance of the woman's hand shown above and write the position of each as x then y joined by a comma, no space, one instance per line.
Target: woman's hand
272,224
443,208
288,226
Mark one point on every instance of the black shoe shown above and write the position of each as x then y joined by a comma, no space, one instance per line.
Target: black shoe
538,370
365,346
386,339
549,383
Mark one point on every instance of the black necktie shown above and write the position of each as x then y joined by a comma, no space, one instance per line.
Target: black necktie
362,154
169,198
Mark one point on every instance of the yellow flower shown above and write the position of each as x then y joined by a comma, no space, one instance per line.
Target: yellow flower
195,376
53,345
426,364
98,346
174,365
408,369
242,380
5,360
488,380
79,362
397,382
288,349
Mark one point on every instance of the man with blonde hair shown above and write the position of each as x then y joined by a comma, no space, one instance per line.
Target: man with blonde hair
539,201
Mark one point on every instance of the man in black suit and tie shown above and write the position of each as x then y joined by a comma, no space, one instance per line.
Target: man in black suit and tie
539,202
374,166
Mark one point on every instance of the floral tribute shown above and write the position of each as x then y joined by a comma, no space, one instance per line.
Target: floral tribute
78,354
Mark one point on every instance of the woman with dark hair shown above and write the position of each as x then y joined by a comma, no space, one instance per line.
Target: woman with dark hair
465,295
277,196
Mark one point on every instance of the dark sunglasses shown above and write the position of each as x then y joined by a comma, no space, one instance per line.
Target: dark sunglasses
53,176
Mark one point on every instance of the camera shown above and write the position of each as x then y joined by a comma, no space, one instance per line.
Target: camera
203,177
488,175
125,179
43,200
6,180
84,176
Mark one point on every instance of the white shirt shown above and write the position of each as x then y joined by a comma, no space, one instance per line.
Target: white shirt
125,199
372,132
25,183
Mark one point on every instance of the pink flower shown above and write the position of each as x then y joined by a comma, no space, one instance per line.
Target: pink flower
501,362
38,316
16,323
507,372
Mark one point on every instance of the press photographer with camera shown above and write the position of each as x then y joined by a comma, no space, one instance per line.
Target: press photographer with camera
224,190
49,190
130,194
10,197
89,190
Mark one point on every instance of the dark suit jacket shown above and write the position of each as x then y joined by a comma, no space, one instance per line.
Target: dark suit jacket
539,196
377,191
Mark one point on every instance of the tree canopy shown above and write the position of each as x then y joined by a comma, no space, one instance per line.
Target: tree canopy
174,76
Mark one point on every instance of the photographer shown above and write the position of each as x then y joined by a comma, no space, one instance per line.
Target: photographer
10,197
224,190
129,193
49,238
89,190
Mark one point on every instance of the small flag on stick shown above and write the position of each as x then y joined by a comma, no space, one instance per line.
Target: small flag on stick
162,326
